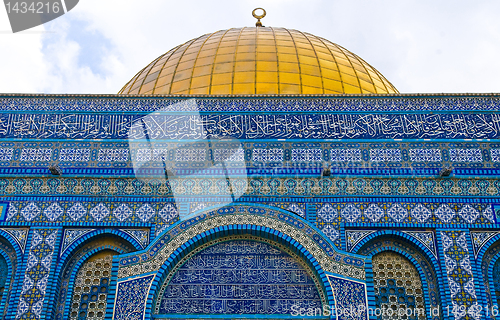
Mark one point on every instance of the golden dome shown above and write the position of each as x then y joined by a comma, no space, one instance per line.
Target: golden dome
258,60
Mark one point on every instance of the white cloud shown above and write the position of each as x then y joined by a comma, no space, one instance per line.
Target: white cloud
420,45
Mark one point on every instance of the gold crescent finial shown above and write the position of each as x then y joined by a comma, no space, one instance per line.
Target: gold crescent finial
258,16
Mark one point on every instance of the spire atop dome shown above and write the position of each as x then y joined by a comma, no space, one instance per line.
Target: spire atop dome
258,16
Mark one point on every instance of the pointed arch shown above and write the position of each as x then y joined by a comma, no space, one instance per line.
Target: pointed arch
77,255
12,254
416,253
148,269
487,257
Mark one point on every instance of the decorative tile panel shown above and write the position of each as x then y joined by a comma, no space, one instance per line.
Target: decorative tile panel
306,155
111,155
73,154
71,235
480,238
141,235
6,154
478,102
195,155
283,282
97,212
426,238
495,155
314,186
330,215
466,155
19,234
353,237
267,155
421,155
37,155
143,155
236,155
38,267
460,275
349,155
350,297
392,155
131,298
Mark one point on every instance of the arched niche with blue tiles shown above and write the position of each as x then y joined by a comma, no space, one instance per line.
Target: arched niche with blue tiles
409,249
239,275
10,256
146,272
82,246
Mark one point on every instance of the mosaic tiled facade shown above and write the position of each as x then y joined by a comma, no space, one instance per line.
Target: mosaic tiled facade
244,207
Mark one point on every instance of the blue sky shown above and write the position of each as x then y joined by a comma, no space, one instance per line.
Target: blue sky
421,46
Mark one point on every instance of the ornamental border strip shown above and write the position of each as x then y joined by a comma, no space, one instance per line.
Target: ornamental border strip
285,103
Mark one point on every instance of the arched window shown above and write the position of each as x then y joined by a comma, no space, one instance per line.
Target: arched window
86,276
398,289
404,278
91,287
8,260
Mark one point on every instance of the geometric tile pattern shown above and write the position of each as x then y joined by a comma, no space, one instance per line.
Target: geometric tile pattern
385,155
314,186
72,154
37,273
330,215
113,155
341,155
306,155
460,276
90,289
466,155
6,154
419,155
69,211
397,286
495,155
32,154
